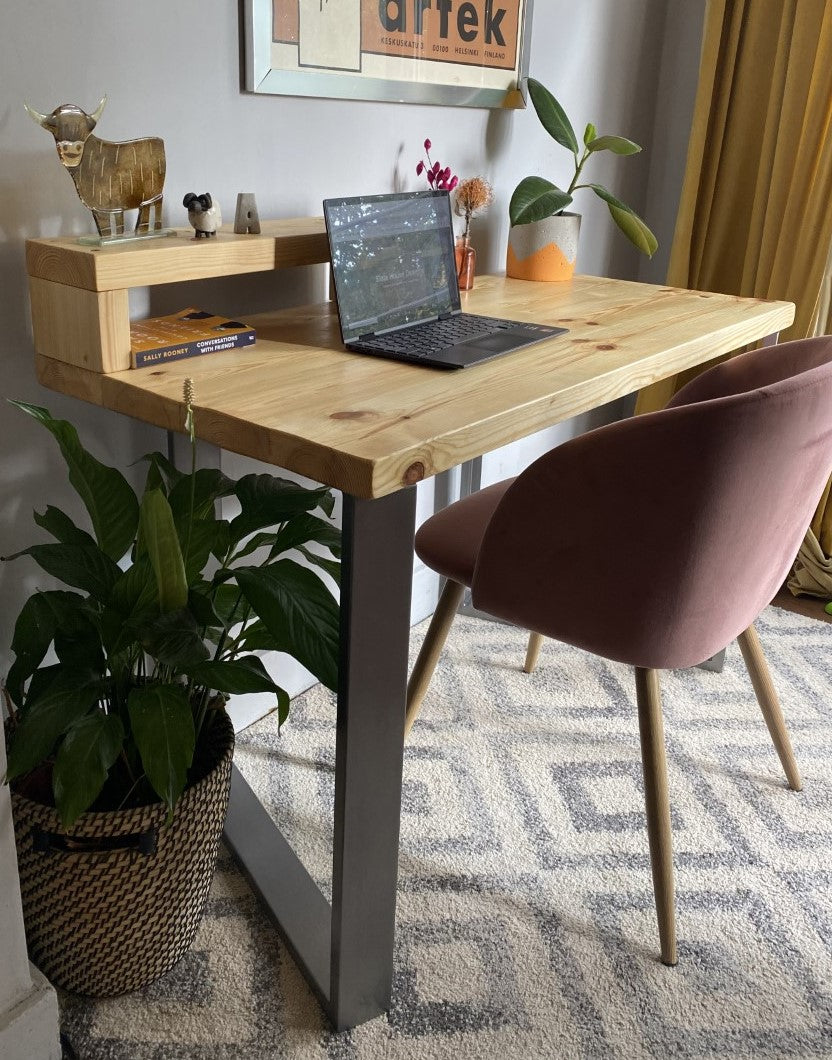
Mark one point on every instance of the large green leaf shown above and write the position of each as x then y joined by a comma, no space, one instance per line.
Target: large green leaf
331,566
628,221
173,639
299,612
135,596
87,752
79,643
34,631
208,485
106,493
552,116
306,528
235,676
83,566
257,637
534,199
61,527
163,728
267,501
619,145
161,467
162,543
43,719
206,537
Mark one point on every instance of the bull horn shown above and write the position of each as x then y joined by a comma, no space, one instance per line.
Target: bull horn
35,115
96,114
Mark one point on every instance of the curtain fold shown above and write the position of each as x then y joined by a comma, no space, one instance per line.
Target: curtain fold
755,214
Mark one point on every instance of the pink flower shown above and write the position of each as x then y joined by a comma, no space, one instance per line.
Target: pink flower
437,176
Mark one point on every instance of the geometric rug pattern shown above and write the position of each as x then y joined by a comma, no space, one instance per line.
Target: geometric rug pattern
525,919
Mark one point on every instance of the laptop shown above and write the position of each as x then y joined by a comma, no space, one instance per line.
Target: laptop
396,286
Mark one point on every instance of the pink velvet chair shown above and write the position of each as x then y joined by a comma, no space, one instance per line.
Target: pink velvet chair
654,541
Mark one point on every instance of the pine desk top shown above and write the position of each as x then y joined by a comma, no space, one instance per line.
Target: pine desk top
367,426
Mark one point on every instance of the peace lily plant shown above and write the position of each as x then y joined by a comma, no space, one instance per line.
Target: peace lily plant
166,604
536,198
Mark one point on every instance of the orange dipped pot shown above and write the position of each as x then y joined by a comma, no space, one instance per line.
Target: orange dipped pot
544,250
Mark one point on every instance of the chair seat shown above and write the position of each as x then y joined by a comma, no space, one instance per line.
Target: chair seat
450,540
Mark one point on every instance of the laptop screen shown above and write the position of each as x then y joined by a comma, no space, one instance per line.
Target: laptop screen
392,259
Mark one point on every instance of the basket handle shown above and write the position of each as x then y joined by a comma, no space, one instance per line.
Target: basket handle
44,842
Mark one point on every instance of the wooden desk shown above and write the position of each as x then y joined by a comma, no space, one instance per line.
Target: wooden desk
372,429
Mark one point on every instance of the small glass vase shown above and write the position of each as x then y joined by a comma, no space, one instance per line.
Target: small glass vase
466,261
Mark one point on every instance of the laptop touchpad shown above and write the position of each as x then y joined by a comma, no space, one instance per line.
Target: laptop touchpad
502,340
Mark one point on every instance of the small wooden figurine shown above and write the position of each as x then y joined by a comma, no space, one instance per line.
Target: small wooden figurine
203,213
109,177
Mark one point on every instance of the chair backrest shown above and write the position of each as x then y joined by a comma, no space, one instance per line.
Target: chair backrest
658,539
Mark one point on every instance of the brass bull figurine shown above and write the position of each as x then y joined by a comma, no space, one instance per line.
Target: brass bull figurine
109,177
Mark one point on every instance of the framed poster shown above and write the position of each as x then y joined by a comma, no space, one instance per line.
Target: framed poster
462,52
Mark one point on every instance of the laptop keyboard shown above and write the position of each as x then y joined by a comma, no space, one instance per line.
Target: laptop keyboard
436,334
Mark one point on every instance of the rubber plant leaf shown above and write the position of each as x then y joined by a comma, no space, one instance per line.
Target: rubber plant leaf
163,728
629,222
534,199
299,612
89,748
552,116
619,145
107,495
162,544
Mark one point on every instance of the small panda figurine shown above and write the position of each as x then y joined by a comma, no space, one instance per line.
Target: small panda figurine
203,213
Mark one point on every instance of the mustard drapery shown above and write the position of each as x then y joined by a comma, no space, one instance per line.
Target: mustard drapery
755,216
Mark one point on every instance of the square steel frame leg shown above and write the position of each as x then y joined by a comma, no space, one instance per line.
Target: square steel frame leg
346,949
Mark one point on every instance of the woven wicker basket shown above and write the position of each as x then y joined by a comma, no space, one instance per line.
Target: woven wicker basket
112,905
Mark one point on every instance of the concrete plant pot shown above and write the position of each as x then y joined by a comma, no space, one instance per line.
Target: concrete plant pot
544,250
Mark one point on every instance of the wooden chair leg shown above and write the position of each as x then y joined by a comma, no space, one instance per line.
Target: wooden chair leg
657,804
755,661
533,651
432,646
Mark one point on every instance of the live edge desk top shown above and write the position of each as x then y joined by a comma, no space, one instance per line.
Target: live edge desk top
368,426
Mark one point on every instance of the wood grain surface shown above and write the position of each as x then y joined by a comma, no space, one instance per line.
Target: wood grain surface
280,244
368,426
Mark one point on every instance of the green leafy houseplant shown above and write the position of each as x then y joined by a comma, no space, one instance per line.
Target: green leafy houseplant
536,198
165,606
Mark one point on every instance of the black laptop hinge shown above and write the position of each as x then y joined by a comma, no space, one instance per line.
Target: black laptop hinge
444,316
363,338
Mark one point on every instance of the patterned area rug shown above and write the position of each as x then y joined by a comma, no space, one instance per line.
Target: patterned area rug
526,925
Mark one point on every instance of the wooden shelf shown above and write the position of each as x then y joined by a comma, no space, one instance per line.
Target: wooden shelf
80,294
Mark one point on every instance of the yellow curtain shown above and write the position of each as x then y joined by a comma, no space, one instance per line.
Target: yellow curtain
755,216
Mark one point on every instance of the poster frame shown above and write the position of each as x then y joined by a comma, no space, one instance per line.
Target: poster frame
260,76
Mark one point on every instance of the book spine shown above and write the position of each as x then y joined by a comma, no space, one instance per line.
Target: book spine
235,341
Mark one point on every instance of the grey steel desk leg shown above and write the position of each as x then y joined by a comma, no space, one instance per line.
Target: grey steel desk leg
375,628
346,951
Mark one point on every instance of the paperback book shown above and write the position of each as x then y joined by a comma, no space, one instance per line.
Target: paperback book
188,333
